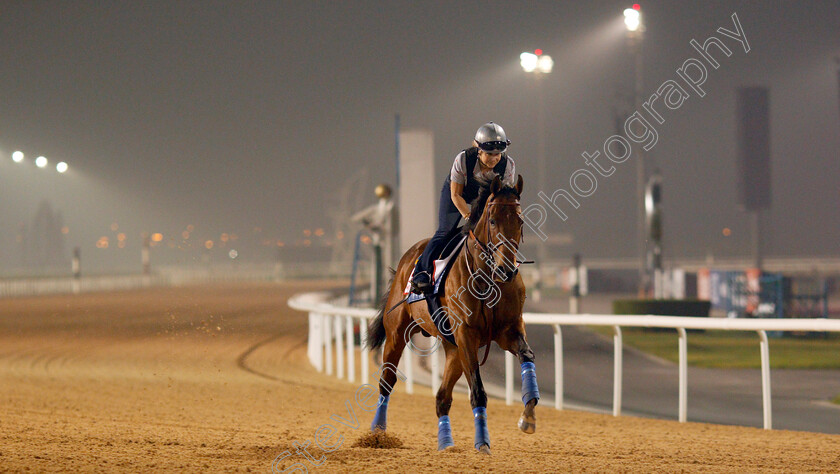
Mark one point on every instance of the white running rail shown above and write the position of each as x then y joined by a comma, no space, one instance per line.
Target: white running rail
327,324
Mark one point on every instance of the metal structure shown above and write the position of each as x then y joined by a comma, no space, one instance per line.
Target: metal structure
635,39
378,219
653,222
538,65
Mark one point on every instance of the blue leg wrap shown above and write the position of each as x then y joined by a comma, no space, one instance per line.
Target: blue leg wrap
482,436
381,415
530,390
444,433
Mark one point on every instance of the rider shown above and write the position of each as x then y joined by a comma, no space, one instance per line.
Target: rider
474,169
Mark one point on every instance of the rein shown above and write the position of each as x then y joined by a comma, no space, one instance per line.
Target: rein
487,250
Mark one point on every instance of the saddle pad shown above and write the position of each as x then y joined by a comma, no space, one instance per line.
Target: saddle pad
441,269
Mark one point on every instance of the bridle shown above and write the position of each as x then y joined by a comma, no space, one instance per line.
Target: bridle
488,249
488,252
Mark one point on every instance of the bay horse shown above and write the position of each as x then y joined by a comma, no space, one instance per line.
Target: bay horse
482,299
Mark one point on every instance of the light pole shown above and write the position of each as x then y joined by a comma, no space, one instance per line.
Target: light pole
539,65
635,35
837,61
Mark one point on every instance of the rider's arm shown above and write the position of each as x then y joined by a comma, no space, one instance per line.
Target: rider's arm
455,190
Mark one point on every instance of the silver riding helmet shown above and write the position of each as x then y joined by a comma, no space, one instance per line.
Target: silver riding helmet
491,138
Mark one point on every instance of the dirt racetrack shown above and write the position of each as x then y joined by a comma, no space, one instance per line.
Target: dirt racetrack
206,379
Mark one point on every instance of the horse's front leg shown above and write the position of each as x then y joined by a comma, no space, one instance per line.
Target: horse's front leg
530,390
451,374
467,346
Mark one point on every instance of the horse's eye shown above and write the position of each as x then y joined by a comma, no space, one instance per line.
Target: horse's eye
493,222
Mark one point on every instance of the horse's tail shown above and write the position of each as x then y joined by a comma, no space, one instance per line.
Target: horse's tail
376,329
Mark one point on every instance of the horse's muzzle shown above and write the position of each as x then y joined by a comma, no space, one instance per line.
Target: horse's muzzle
504,275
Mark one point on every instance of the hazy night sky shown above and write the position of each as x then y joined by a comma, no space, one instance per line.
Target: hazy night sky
236,115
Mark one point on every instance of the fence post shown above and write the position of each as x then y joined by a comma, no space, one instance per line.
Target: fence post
617,368
558,367
315,347
339,346
351,350
765,380
683,345
328,343
363,329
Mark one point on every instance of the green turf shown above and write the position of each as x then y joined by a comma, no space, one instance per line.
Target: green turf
736,349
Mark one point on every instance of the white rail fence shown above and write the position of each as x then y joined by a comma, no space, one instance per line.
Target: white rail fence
331,325
164,275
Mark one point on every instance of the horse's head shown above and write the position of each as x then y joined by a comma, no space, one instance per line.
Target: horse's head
500,229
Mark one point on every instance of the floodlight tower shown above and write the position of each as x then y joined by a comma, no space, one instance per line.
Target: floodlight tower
635,36
539,65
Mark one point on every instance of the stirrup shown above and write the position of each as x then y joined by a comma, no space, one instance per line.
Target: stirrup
422,287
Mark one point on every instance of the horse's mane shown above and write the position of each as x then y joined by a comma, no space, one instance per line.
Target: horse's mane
477,206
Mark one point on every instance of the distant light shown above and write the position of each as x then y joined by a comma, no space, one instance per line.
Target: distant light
637,7
727,232
528,61
540,63
41,162
61,167
233,253
185,235
538,52
632,19
208,244
545,64
17,156
157,237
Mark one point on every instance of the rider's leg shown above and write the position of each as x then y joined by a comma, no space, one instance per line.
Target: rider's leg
448,219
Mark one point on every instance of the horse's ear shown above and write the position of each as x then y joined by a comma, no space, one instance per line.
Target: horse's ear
496,185
519,185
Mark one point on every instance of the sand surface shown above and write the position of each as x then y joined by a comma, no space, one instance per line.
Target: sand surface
207,379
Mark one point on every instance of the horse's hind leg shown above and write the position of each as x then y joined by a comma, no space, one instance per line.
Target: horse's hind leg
391,353
451,373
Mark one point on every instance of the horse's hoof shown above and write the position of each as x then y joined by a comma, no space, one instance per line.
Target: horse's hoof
484,449
528,424
446,444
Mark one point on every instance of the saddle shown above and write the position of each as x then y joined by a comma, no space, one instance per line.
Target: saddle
441,271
